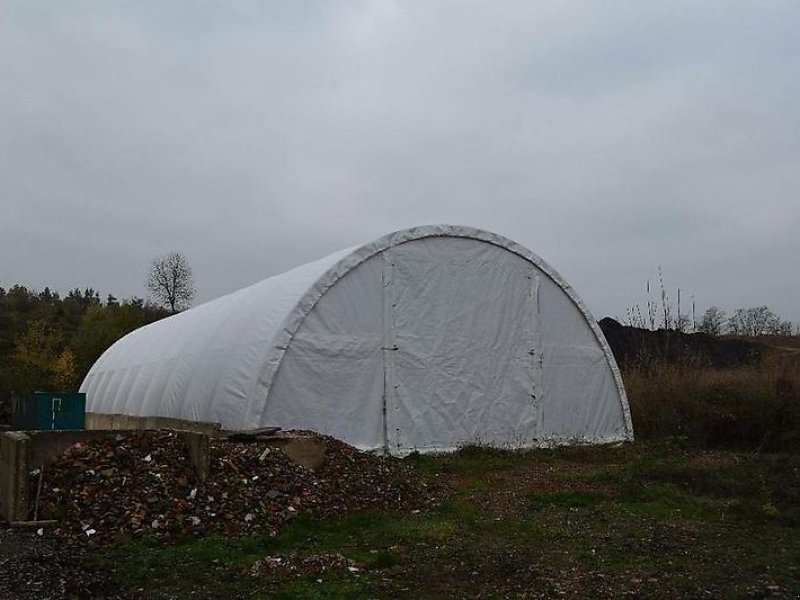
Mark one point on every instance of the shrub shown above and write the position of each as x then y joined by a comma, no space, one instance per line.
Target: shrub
755,407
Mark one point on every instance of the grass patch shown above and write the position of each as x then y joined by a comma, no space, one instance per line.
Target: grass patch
745,489
375,541
472,460
327,589
568,499
668,501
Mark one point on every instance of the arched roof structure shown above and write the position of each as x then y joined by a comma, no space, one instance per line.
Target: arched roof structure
222,361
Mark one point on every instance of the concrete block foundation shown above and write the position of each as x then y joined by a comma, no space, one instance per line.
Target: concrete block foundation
127,422
14,474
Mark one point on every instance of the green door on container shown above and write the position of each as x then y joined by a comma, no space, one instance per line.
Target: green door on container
56,410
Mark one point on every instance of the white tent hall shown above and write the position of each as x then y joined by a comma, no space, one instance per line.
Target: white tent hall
426,339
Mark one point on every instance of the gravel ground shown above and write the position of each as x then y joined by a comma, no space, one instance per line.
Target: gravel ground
33,566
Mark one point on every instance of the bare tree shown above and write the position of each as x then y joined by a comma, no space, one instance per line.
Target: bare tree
753,322
713,321
782,328
171,282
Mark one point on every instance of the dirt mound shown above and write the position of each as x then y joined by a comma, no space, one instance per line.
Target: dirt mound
638,347
142,483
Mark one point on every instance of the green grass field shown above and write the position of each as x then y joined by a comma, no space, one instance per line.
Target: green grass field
646,520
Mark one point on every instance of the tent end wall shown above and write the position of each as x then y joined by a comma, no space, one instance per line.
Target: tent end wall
362,254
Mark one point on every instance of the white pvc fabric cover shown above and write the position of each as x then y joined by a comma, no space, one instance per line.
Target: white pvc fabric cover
427,339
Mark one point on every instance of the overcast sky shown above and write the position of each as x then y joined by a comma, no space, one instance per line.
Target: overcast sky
609,138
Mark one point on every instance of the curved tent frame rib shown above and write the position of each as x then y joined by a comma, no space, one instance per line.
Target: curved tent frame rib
342,267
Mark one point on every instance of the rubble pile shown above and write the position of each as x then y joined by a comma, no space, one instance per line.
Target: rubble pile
293,566
358,480
143,484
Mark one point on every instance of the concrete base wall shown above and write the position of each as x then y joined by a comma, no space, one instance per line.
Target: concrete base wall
306,451
14,475
104,421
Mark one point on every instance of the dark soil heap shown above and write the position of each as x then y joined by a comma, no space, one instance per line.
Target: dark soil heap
635,347
142,484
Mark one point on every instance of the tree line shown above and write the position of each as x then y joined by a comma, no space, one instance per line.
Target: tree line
752,322
755,321
49,341
665,312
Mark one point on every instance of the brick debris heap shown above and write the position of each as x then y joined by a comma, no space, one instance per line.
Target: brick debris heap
142,484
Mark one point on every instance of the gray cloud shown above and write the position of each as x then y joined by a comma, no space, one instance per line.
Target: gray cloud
254,138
